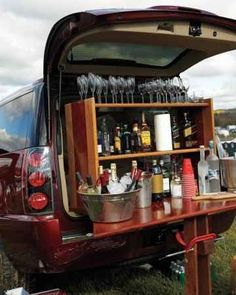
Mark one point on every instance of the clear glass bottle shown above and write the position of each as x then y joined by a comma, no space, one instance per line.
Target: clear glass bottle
202,168
213,170
176,184
114,186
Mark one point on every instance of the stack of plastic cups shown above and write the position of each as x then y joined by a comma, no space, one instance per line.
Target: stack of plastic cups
188,182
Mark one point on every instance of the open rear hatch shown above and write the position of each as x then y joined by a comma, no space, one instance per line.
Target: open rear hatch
160,41
155,42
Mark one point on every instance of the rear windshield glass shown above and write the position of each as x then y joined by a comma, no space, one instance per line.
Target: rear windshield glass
124,53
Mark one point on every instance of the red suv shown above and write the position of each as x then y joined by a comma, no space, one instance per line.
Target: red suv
40,229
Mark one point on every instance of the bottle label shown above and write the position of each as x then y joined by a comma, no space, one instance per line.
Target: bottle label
112,149
188,143
187,131
176,190
166,184
176,145
117,144
157,184
146,138
213,174
99,148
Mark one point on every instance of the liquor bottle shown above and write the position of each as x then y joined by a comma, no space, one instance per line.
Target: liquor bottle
117,141
105,138
133,169
176,184
202,168
213,170
99,143
166,179
176,138
91,189
136,142
145,135
82,187
102,181
157,181
134,184
188,132
112,148
114,186
126,140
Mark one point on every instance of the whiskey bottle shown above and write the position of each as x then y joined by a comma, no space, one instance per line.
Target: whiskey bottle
117,141
126,140
136,141
99,142
188,132
157,182
166,179
105,138
176,138
145,135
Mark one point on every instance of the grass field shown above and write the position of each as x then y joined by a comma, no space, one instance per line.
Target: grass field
142,281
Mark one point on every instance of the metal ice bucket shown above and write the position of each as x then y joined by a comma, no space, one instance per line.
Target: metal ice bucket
228,173
109,208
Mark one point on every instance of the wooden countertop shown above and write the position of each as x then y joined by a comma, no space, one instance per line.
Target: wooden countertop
168,211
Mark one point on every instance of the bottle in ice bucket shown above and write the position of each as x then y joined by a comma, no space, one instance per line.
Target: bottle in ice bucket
114,186
157,181
103,181
90,187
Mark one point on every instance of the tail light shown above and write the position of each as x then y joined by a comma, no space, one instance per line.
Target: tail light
38,181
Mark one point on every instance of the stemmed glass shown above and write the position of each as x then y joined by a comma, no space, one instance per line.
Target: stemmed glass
131,86
80,87
121,87
92,83
84,81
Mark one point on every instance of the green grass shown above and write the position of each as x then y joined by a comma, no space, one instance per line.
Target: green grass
133,280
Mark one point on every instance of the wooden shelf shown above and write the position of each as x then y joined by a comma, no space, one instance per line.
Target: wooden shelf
148,154
152,105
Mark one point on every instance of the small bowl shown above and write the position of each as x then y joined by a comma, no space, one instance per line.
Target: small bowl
109,208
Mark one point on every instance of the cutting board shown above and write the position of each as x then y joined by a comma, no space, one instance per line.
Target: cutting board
215,196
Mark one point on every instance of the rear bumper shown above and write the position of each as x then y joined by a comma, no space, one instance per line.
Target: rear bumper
35,244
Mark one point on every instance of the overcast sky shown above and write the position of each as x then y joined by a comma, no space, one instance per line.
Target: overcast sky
25,24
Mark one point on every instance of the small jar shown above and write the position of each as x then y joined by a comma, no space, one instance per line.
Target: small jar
176,188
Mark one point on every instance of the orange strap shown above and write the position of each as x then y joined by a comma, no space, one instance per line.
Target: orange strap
187,246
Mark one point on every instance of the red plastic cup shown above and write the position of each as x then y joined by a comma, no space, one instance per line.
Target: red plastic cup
187,166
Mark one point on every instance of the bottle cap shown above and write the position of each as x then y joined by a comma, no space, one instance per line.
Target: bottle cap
187,166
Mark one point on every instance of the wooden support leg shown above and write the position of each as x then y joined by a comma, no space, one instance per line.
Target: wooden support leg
191,265
204,250
197,265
